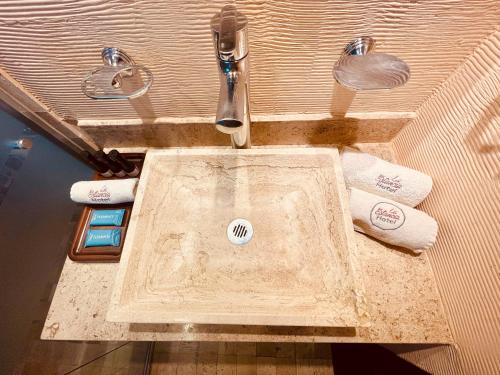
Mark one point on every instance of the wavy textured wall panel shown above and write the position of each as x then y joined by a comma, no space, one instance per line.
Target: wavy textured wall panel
456,139
48,46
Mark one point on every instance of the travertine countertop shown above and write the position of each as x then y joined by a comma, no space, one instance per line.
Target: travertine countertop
401,295
400,290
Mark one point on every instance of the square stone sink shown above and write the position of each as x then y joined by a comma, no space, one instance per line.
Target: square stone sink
179,265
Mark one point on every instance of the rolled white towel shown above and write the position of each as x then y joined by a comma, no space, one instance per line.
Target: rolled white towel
392,222
104,191
377,176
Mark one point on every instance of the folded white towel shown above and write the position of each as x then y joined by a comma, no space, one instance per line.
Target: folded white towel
104,191
392,222
377,176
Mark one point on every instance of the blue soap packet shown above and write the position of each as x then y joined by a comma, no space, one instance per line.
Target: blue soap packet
103,237
107,217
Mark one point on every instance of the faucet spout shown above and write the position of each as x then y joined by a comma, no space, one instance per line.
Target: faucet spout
233,115
229,32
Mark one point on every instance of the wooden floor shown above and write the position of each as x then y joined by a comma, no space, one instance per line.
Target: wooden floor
83,358
183,358
241,358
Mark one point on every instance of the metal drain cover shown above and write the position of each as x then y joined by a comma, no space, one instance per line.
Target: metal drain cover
239,231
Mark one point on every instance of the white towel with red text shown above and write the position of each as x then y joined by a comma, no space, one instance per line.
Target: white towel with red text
392,222
369,173
104,191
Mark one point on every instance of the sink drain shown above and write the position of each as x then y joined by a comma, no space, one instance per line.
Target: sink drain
239,231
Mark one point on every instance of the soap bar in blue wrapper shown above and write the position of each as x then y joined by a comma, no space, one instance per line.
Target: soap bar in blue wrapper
107,217
103,237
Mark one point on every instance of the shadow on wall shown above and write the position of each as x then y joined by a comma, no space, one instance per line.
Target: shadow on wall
485,134
342,99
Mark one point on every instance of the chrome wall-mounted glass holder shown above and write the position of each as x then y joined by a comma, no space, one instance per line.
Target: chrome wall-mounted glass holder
119,78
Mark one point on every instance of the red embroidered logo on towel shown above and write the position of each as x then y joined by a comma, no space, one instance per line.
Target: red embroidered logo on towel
387,216
390,184
101,195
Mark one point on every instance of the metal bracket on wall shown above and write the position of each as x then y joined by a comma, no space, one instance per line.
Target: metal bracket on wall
119,78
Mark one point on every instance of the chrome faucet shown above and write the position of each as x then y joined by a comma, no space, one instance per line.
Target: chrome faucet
229,32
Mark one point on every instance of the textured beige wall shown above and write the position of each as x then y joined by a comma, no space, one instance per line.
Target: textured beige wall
456,139
48,46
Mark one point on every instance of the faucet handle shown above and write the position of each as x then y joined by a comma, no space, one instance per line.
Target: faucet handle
227,33
229,28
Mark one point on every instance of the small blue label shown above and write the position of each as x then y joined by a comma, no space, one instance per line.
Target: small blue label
107,217
103,237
